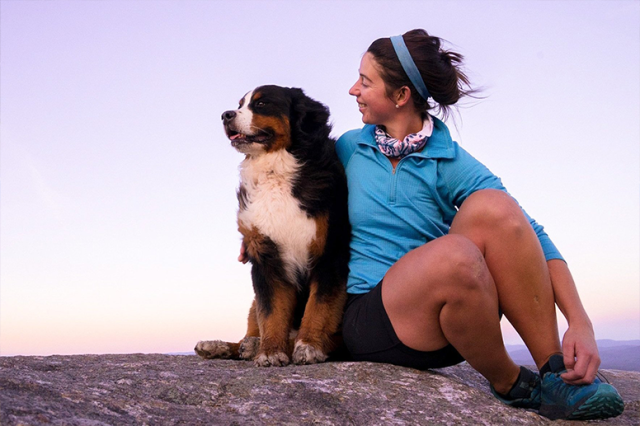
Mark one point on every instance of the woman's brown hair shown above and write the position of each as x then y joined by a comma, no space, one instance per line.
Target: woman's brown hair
440,69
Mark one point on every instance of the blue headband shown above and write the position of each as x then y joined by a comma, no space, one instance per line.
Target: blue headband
409,66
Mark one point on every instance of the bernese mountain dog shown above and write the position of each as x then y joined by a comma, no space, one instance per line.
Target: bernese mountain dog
295,229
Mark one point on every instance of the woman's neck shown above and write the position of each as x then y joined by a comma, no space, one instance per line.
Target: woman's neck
403,125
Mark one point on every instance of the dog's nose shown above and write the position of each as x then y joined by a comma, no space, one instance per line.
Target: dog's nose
227,116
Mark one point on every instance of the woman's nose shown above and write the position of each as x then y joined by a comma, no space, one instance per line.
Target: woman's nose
355,90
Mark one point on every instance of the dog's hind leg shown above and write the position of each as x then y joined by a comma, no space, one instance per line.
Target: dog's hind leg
247,348
320,323
211,349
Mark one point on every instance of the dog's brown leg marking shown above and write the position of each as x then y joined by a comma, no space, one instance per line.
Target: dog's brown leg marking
252,322
249,346
253,241
322,318
316,248
275,327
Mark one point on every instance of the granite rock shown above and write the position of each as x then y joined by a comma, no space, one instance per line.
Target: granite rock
100,390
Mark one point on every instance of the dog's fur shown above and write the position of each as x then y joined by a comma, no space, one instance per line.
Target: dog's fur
294,222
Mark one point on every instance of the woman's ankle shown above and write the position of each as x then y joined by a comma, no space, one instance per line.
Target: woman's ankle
504,386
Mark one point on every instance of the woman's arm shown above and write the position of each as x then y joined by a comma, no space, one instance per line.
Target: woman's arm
579,347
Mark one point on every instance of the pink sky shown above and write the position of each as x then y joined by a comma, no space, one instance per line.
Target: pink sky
118,185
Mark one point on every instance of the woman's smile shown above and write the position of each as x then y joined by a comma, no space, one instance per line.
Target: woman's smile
370,93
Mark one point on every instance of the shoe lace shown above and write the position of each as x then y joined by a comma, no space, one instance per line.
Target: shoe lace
602,377
533,389
560,389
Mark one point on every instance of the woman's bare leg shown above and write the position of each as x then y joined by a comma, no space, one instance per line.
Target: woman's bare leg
512,252
449,290
443,293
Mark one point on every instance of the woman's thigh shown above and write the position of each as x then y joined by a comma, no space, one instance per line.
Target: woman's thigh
445,272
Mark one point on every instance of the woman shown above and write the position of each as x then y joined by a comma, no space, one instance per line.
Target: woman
440,250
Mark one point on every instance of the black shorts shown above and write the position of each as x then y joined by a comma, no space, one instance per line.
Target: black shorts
369,336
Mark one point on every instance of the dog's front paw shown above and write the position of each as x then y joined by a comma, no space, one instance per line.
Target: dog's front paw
249,348
304,353
276,359
209,349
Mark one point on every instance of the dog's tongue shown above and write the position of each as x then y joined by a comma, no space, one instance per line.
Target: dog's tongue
236,136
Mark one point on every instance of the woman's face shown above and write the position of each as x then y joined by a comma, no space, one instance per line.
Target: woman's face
370,93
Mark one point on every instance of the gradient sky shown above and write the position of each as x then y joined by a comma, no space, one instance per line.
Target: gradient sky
118,204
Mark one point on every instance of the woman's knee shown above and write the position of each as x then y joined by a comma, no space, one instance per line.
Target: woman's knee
468,265
449,265
463,265
491,209
447,271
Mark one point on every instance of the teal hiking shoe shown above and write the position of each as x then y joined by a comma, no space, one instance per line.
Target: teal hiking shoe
572,402
525,392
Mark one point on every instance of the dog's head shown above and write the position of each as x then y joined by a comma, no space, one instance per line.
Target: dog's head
270,118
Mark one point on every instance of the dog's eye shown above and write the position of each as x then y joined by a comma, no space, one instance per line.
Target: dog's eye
260,104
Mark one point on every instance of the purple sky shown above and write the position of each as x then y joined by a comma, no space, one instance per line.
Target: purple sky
118,184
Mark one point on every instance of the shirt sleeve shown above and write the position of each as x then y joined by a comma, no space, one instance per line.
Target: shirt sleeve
346,146
463,175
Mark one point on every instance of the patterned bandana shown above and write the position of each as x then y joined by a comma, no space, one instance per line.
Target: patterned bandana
414,142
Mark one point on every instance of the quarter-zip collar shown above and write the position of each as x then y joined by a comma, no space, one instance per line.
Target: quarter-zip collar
439,145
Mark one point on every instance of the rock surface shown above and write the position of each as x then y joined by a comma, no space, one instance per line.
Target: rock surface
98,390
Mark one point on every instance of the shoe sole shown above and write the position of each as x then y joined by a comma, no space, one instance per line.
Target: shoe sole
603,404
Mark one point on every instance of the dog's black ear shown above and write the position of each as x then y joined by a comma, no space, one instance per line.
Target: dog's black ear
308,116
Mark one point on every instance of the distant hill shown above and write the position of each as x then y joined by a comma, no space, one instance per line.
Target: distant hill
615,354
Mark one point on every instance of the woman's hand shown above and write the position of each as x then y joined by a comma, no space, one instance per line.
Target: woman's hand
579,348
581,357
243,254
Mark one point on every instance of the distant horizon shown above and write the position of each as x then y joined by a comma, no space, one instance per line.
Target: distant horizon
633,342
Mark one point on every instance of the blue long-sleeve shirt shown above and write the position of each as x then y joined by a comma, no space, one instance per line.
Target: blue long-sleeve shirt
394,211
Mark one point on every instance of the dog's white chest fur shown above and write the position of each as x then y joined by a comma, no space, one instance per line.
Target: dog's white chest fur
272,209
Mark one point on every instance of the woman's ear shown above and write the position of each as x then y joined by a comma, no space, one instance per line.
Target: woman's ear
402,96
